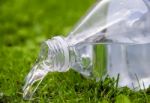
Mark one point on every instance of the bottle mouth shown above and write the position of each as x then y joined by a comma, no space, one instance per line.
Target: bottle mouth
58,52
54,56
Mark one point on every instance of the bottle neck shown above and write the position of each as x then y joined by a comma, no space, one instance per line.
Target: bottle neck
58,54
61,55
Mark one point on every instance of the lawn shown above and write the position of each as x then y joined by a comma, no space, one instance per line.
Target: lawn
24,24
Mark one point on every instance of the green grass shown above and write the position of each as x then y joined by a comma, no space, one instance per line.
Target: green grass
24,24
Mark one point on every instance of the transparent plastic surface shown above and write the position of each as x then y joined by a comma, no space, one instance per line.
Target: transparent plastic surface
131,61
113,38
120,21
120,30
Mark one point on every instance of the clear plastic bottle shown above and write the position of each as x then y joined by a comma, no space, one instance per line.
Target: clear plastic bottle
113,38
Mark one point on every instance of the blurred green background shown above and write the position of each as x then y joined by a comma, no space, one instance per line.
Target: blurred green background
24,24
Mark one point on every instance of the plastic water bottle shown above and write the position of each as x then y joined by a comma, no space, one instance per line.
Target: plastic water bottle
113,38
